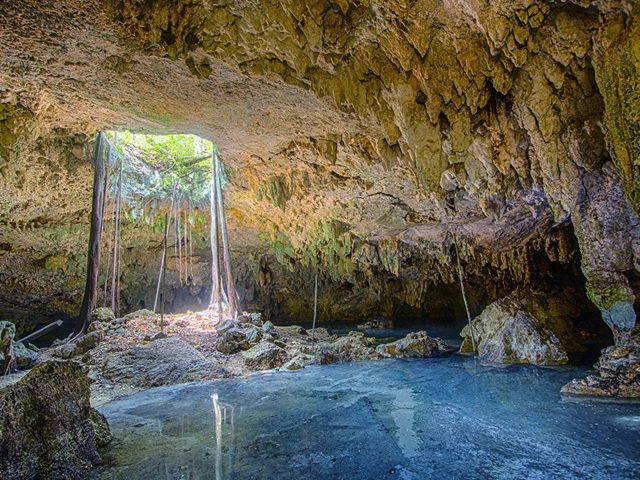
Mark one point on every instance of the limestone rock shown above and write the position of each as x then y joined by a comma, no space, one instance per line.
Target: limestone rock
527,326
162,362
264,356
7,335
79,346
352,347
300,361
238,338
618,372
46,426
267,327
25,357
414,345
377,323
101,314
388,128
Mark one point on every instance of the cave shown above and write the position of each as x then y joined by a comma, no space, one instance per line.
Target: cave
327,239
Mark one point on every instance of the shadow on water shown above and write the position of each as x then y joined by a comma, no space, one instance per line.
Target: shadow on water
437,418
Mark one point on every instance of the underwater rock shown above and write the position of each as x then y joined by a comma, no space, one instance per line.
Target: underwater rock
264,356
352,347
527,326
376,323
162,362
618,372
414,345
47,425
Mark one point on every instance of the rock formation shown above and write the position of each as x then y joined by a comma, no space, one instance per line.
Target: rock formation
362,140
527,326
618,372
47,427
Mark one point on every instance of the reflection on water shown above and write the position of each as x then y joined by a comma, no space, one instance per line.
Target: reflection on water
438,418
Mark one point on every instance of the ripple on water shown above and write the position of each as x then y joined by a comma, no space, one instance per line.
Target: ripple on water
437,418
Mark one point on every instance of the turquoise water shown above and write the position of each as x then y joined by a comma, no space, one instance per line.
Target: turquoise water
444,418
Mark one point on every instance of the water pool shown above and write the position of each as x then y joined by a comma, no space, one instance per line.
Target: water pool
437,418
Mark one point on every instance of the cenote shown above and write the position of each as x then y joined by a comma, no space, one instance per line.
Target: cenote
409,419
329,239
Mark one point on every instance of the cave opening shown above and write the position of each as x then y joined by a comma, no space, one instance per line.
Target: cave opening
318,240
161,184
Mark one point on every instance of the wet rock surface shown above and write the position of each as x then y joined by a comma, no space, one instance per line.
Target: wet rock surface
265,356
136,352
48,428
414,345
617,372
527,326
161,362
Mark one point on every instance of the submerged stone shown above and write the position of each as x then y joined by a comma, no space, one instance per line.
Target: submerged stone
414,345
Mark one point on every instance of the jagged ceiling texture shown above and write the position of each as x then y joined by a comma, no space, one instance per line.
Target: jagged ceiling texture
358,134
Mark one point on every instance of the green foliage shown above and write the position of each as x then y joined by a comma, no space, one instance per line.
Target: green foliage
157,169
329,245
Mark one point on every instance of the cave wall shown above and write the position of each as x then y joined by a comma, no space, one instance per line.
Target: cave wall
361,138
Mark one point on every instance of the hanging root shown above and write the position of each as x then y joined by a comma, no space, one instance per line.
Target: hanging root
464,295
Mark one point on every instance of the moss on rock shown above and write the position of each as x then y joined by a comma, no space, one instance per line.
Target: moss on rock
46,427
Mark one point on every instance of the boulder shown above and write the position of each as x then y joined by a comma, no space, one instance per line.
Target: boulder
7,335
264,356
267,327
375,324
300,361
237,338
527,326
103,315
165,361
79,346
47,427
25,357
352,347
139,313
618,372
254,318
414,345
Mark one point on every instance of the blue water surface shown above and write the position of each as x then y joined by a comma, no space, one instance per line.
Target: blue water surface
446,418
